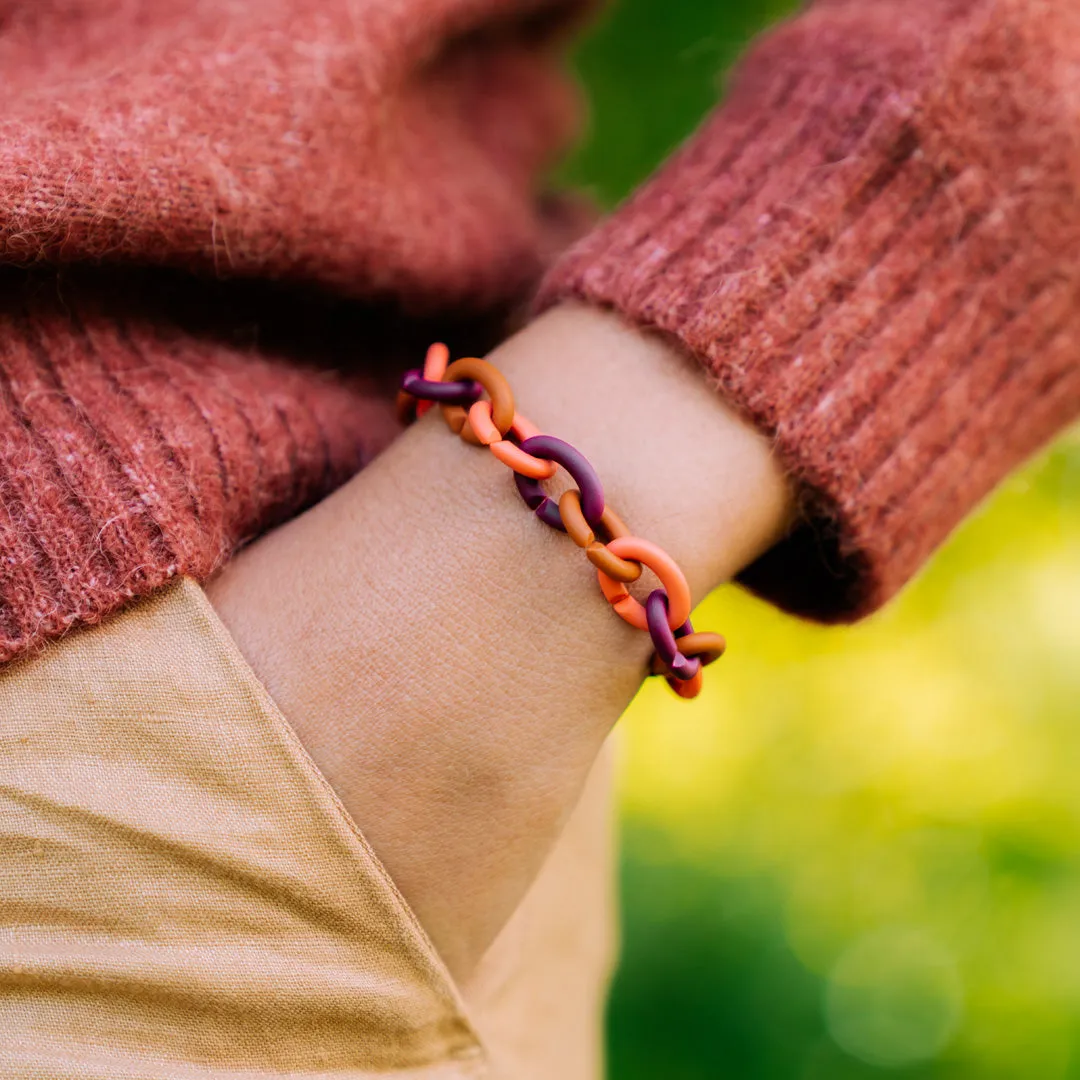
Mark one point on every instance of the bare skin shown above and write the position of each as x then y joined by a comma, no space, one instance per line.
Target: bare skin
448,660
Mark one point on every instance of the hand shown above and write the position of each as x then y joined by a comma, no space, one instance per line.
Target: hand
447,659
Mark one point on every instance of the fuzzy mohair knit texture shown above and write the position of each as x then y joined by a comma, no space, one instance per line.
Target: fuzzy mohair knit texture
224,224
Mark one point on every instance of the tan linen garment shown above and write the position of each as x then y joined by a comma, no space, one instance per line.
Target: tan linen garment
183,896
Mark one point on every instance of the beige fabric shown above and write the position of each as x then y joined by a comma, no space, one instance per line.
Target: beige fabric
539,995
183,896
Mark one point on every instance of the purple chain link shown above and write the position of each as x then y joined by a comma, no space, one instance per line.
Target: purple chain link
462,392
665,641
574,462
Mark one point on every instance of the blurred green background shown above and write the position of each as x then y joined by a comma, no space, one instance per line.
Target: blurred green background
857,855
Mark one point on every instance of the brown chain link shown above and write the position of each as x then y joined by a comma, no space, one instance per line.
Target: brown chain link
498,389
581,532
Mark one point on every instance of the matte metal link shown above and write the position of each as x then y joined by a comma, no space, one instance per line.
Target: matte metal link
498,389
680,666
681,654
574,462
581,532
504,450
663,566
707,646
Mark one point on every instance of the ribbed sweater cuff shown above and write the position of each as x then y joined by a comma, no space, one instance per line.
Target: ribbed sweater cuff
873,267
137,444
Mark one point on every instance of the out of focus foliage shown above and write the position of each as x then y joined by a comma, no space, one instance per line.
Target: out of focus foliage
857,855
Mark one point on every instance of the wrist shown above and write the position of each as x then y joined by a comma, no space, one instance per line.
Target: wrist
448,661
677,464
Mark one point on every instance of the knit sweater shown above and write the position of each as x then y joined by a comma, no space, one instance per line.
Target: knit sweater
226,223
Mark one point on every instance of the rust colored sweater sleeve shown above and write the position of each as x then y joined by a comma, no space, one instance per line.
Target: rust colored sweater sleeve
870,247
872,250
212,219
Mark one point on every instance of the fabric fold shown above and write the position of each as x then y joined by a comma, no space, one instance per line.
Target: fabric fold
184,895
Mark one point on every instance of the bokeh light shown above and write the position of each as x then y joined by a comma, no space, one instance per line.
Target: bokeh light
894,997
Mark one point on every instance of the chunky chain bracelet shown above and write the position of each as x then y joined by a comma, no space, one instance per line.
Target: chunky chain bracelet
680,654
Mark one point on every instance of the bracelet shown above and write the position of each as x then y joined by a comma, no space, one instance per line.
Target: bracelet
680,653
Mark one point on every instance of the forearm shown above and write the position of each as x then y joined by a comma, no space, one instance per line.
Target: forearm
446,658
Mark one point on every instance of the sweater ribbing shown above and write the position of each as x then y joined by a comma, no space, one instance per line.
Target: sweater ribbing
373,163
870,248
869,274
134,449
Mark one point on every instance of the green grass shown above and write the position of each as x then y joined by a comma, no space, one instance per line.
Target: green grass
857,855
653,69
